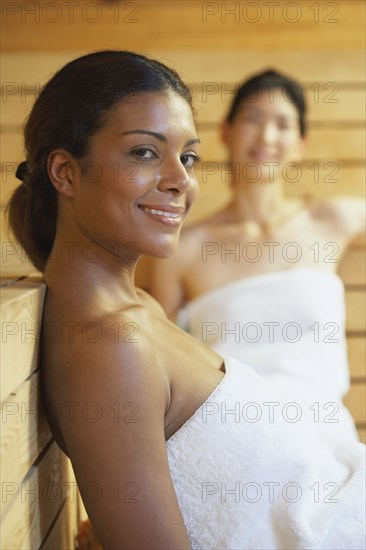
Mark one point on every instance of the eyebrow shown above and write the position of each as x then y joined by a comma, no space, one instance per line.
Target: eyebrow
156,135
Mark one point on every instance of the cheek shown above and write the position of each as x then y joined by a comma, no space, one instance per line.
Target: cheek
240,140
194,190
290,141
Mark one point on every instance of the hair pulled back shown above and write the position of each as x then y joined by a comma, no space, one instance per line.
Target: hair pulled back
71,107
270,79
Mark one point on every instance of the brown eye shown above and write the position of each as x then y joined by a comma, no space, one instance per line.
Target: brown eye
144,153
189,160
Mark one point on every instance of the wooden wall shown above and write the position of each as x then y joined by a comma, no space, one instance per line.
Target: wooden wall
214,45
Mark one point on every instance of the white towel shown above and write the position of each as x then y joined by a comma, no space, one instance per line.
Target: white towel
288,325
250,472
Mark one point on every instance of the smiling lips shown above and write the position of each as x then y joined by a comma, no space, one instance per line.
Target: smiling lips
170,215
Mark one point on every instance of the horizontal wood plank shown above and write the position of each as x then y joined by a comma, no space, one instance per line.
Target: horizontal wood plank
25,71
136,25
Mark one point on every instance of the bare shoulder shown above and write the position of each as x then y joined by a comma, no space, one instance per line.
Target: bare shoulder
107,358
344,214
150,301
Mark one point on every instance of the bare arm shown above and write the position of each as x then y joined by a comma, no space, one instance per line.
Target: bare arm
115,439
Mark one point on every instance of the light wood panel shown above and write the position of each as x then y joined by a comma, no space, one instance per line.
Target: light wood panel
352,268
356,356
323,144
39,494
24,429
355,401
26,520
362,434
21,314
356,314
345,68
13,260
62,534
328,102
160,23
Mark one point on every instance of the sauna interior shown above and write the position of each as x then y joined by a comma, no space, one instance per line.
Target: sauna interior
214,46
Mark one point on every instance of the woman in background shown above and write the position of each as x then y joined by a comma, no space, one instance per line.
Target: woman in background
257,280
111,146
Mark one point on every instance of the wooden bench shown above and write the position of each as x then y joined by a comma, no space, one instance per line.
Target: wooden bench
40,504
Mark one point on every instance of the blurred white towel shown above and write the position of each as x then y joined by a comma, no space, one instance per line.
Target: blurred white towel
287,325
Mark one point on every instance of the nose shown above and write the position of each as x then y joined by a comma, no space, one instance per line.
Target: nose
268,132
174,177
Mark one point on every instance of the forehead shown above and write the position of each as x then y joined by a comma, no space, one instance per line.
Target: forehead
157,111
271,101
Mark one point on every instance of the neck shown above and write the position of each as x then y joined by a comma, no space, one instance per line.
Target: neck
261,203
85,275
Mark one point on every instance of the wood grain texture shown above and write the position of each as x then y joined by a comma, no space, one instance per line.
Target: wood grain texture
40,495
63,530
182,25
25,71
24,429
21,314
329,103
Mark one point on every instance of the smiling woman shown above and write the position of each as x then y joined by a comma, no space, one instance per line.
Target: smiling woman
111,146
146,182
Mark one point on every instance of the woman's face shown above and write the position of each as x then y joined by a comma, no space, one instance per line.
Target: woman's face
264,137
138,180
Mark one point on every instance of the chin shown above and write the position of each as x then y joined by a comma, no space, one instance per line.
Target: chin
162,249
